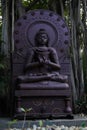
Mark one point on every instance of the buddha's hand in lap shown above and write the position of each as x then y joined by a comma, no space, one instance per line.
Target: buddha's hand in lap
46,62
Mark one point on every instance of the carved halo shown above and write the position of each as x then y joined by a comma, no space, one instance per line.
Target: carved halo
28,25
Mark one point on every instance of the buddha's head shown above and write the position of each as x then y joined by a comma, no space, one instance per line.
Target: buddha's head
41,38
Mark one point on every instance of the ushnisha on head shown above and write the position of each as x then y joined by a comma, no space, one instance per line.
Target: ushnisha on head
41,38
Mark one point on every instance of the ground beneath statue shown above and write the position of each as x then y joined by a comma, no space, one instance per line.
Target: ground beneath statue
79,122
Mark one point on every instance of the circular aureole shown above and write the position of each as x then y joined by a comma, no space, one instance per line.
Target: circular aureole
28,25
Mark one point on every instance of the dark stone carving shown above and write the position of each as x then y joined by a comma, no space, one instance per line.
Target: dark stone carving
41,65
44,59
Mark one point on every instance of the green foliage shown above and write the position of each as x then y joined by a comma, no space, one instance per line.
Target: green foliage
4,78
81,105
83,124
40,4
0,33
25,114
41,123
0,9
10,123
25,110
85,71
4,71
25,2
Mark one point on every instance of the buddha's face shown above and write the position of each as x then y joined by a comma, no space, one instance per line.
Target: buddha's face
42,39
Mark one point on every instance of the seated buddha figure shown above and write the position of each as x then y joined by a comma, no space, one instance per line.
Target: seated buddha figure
44,59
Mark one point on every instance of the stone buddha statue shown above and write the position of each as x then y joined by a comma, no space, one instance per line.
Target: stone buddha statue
45,60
